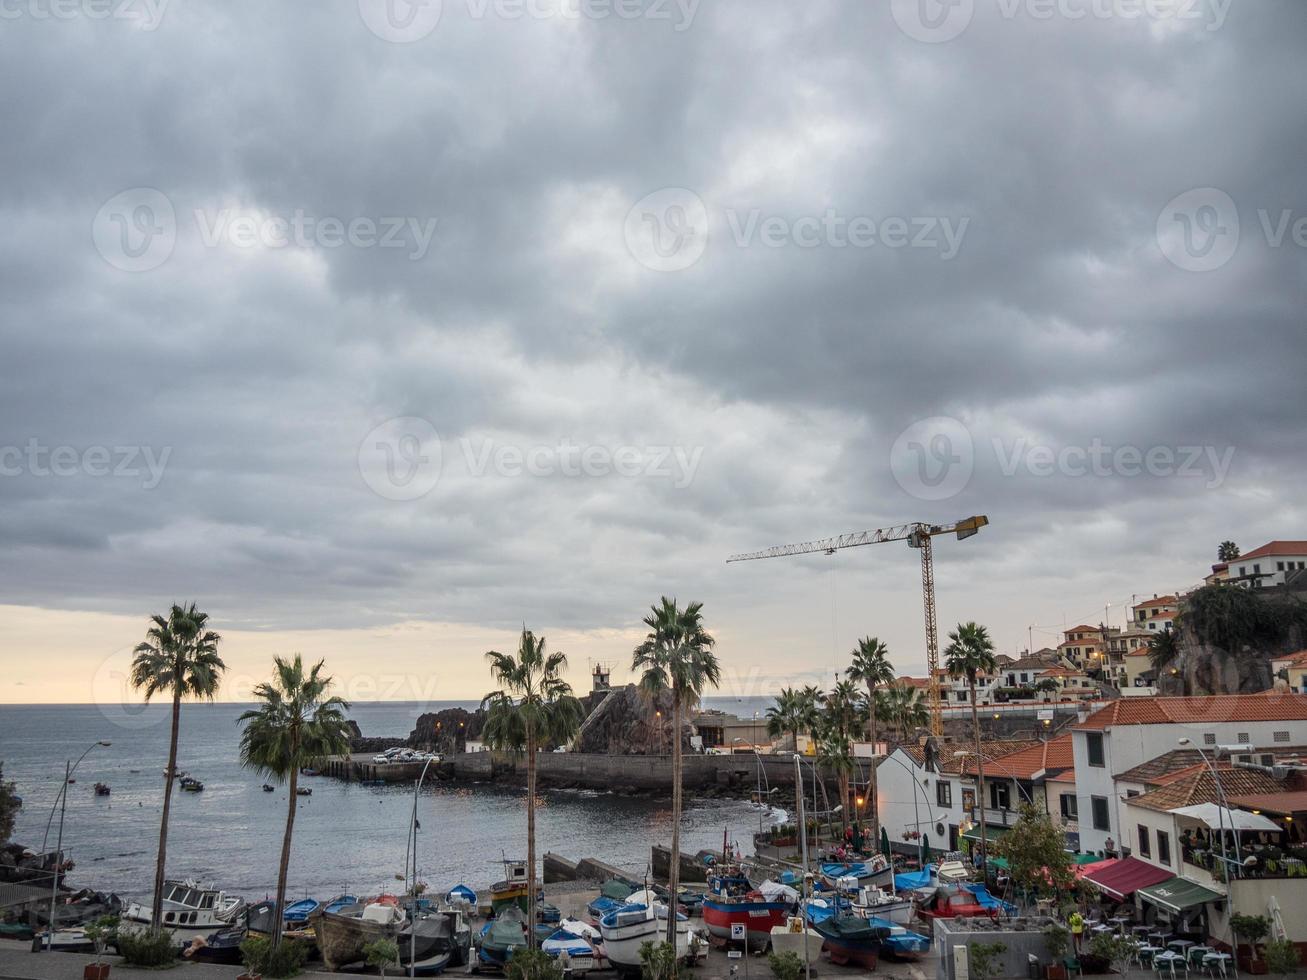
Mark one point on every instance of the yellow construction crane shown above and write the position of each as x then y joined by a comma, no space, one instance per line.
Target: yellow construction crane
917,535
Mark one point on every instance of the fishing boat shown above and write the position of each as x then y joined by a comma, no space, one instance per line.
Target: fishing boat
220,947
963,900
512,890
190,784
877,903
463,894
731,900
342,935
102,789
875,870
269,788
434,942
297,913
339,904
501,936
303,791
579,952
626,929
846,937
901,943
791,938
63,941
189,910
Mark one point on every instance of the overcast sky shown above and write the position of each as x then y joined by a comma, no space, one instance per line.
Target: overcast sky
382,329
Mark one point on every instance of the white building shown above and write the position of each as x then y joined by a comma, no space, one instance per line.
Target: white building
1131,731
1269,564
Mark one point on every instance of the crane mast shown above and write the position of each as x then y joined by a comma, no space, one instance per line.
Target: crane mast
918,535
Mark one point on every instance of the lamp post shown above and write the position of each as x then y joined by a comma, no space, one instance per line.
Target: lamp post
803,898
61,800
413,881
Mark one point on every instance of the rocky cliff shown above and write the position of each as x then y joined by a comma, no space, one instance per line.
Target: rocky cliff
446,731
625,723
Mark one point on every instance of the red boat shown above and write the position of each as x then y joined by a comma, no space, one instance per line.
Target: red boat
951,901
732,900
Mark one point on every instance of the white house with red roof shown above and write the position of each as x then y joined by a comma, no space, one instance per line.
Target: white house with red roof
1268,565
1157,613
1294,666
1131,731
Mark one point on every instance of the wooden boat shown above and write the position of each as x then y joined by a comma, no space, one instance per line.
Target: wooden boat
102,789
626,929
512,891
297,913
342,935
732,900
220,947
846,937
188,911
190,784
876,903
501,936
790,938
875,870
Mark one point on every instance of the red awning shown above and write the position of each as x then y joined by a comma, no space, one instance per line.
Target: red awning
1125,877
1082,870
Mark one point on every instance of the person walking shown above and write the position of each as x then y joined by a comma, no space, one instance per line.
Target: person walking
1077,924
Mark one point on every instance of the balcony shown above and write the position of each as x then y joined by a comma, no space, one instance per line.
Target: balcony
1258,862
995,817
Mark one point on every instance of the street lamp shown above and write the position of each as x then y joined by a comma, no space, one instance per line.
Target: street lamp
413,882
61,800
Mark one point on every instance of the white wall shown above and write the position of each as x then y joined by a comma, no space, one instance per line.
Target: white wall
903,807
1134,816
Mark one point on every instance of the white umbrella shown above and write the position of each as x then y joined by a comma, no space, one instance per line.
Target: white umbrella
1218,817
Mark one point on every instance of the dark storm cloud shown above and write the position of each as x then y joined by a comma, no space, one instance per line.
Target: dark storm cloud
1048,148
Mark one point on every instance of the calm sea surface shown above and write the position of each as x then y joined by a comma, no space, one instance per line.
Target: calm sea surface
347,837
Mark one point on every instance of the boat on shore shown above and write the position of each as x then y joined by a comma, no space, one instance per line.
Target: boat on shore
189,910
877,903
512,891
626,929
874,871
847,938
791,938
223,948
297,913
501,937
342,935
731,900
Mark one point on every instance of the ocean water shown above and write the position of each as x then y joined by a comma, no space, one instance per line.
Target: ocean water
347,837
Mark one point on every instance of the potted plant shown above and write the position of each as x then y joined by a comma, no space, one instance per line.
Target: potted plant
1252,929
1282,957
1057,940
99,933
381,953
983,959
254,957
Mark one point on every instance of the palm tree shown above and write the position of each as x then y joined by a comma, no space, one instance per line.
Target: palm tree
970,653
533,706
296,725
786,717
871,666
179,656
1228,551
902,708
676,657
1162,651
812,704
844,706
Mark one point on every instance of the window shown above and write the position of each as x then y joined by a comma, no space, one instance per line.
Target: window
1281,736
1131,793
1164,847
1279,566
1069,808
1143,842
999,796
1094,743
1099,805
944,793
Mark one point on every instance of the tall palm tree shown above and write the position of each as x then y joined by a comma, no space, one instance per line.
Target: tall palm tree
179,657
844,716
970,654
812,705
871,666
1162,650
902,709
786,717
676,657
296,725
1227,551
533,706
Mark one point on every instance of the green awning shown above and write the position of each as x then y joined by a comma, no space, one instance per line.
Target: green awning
991,834
1178,894
999,862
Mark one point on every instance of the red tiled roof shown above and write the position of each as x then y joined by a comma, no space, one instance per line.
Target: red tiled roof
1040,757
1294,802
1273,548
1083,629
1062,672
991,750
1161,769
1161,600
1200,787
919,682
1291,658
1266,706
1066,776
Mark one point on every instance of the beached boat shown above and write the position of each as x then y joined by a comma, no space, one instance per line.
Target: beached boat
790,938
512,890
220,947
576,951
731,900
434,942
188,910
626,929
339,904
342,935
462,893
901,943
63,941
875,870
501,936
876,903
297,913
846,937
964,900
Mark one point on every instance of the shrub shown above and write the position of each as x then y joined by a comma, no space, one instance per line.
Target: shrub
1112,949
382,953
532,964
1250,928
983,959
785,966
1281,957
146,948
1057,939
100,933
285,961
657,961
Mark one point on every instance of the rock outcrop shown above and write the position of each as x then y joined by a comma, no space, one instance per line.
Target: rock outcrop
625,723
446,731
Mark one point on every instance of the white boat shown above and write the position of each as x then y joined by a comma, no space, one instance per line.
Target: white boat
188,911
877,903
626,929
790,938
576,952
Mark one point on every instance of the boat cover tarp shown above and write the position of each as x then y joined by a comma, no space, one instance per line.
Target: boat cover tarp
987,901
616,888
912,880
774,891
